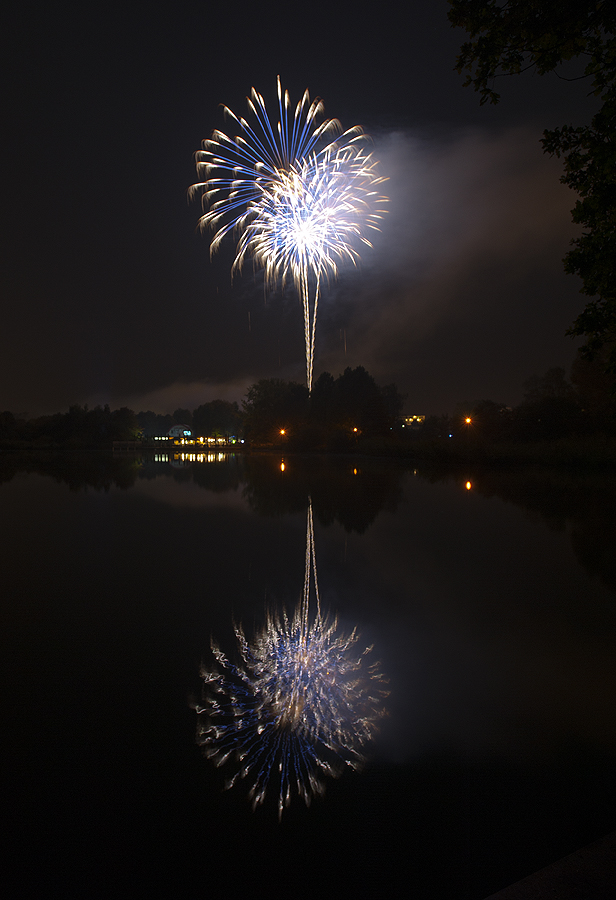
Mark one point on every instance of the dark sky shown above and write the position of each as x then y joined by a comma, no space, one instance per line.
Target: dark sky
108,292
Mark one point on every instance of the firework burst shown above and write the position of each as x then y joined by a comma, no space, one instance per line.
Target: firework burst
301,702
302,196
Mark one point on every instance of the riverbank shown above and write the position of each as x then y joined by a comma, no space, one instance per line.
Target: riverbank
595,451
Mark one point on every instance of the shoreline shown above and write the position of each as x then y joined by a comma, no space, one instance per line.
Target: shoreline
588,452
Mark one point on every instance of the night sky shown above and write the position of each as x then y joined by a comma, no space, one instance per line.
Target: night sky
108,292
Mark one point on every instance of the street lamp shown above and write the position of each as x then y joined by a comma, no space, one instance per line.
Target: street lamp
468,422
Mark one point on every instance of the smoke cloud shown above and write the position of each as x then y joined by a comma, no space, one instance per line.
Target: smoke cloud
464,295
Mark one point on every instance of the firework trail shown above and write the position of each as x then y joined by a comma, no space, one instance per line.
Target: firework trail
300,195
301,702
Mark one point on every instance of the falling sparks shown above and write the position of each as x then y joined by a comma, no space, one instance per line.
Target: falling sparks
300,703
301,196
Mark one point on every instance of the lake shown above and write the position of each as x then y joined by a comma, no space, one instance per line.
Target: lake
489,598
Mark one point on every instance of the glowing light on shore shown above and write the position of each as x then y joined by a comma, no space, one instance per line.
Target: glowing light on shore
301,196
300,702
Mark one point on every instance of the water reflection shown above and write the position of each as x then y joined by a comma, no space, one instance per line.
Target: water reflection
179,460
342,490
499,751
581,503
99,471
302,701
353,492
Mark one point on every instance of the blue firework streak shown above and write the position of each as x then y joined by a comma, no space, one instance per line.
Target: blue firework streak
301,702
301,195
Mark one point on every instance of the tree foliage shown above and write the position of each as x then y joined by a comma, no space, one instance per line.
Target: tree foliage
336,413
553,384
81,426
507,38
355,401
272,406
182,417
593,385
154,423
217,419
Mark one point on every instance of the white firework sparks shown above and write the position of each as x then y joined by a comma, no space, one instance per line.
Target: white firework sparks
300,703
302,196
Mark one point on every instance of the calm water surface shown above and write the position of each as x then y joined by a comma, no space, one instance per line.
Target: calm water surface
490,599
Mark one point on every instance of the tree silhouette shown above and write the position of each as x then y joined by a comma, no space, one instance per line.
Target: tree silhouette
509,38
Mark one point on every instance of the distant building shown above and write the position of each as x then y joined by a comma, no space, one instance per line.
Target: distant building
412,421
179,431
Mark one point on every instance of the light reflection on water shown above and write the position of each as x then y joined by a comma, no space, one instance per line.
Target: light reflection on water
493,611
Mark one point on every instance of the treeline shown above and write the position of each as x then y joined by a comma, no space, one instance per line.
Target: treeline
215,419
553,408
337,413
347,412
84,427
274,412
79,427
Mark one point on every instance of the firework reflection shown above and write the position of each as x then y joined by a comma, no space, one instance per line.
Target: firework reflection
301,702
